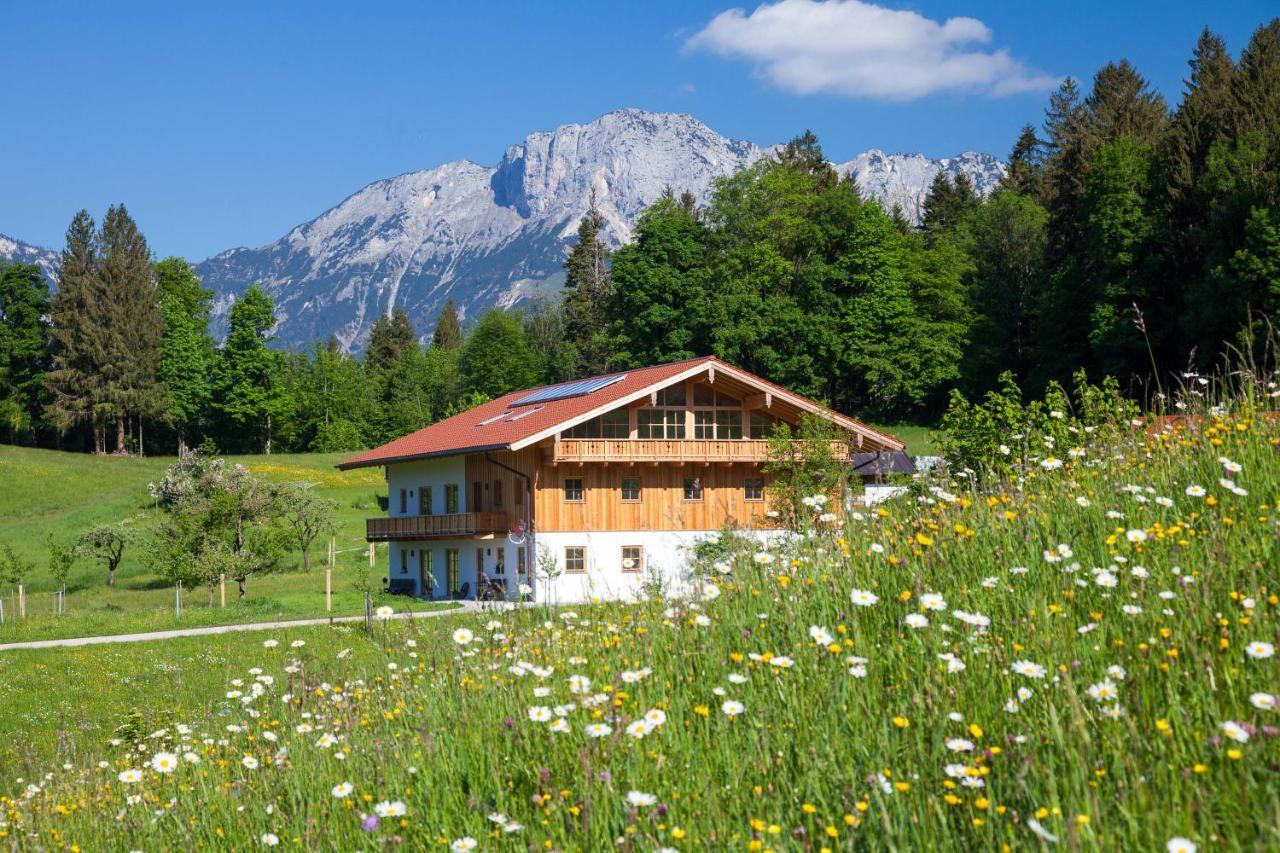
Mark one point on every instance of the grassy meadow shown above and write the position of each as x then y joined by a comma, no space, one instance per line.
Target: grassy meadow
46,493
1081,658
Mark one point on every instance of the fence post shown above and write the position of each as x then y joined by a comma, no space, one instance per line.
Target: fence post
1,611
177,600
222,589
328,589
372,559
22,602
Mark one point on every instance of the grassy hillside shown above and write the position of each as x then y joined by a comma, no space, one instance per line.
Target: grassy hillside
1082,658
45,493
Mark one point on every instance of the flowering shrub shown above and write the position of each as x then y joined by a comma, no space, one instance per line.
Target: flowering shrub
1082,656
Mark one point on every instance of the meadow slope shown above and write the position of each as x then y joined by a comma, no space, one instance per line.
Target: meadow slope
1083,657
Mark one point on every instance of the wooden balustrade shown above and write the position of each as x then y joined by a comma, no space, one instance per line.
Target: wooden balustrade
450,525
624,450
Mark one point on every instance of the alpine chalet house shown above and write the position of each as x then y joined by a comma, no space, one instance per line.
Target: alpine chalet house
585,489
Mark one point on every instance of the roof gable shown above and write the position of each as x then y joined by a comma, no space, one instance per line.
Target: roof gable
522,418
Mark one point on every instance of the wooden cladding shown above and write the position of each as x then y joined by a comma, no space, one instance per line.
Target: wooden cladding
721,497
409,527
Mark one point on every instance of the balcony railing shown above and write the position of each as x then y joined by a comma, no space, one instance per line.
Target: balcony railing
665,450
450,525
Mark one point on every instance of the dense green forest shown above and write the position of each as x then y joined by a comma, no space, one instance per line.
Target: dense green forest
1129,239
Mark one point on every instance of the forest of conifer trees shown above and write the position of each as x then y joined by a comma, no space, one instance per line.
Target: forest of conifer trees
1131,238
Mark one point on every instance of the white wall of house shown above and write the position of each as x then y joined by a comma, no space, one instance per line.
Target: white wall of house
412,477
667,556
406,564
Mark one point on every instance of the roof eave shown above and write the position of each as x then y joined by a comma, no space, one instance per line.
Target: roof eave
351,464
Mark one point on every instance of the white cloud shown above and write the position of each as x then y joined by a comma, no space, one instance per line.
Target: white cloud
860,50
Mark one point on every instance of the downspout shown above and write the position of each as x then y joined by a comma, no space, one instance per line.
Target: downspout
528,508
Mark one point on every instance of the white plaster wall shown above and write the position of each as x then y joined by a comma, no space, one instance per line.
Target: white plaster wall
667,554
466,563
435,473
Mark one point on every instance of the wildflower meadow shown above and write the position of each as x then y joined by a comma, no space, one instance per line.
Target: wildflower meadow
1078,655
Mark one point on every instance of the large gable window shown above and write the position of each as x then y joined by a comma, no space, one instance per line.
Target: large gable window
609,425
660,423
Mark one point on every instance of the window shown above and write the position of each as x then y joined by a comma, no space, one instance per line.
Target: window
425,570
521,567
451,497
729,424
476,497
497,494
632,558
452,570
671,396
404,561
761,425
424,500
404,501
609,425
660,423
717,423
575,560
705,395
754,489
479,565
573,489
500,567
692,488
630,489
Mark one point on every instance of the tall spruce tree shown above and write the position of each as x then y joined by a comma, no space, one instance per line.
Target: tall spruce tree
24,348
186,351
448,332
249,391
390,337
588,287
1026,165
75,383
129,326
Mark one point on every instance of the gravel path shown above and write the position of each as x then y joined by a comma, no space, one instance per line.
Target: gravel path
220,629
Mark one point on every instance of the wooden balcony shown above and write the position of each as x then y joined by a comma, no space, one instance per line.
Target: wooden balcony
453,525
680,451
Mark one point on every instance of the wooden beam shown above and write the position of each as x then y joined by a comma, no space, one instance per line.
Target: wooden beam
758,401
711,375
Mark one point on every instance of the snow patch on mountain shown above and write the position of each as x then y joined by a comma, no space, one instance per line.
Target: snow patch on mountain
16,251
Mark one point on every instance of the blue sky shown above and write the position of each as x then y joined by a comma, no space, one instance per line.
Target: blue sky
226,124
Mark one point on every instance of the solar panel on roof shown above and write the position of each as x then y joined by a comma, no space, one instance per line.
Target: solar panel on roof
565,390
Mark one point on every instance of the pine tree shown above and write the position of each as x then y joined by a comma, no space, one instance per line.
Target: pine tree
24,347
448,332
950,201
74,383
588,287
186,352
248,390
129,325
1026,165
1123,103
390,337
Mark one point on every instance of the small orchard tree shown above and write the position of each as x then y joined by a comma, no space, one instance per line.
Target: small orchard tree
221,519
61,559
13,569
106,542
805,461
308,516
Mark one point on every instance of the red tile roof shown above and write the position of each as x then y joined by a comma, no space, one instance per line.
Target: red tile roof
501,425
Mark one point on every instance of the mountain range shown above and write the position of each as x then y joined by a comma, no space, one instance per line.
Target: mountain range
497,235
